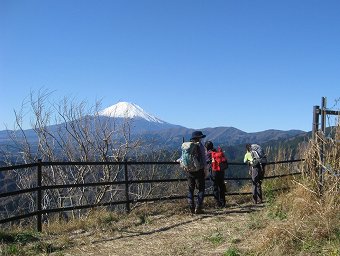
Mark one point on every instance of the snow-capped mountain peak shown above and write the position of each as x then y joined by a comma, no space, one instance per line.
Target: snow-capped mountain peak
128,110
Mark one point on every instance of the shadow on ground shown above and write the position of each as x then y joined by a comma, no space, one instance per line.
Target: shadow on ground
208,213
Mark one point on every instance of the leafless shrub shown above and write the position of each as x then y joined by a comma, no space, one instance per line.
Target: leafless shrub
82,135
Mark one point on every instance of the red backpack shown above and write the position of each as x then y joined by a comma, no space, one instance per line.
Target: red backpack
218,160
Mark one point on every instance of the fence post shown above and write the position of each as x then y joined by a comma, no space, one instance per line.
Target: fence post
322,144
315,128
126,176
39,196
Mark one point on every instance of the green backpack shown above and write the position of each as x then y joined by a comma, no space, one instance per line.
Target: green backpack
190,160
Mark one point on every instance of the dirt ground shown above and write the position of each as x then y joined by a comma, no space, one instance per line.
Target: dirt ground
212,233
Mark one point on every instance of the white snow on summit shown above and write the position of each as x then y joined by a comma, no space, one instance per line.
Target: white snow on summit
128,110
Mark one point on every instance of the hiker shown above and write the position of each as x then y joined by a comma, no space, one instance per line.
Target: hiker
196,179
217,177
256,160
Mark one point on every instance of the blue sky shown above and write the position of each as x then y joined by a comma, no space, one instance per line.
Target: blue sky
251,64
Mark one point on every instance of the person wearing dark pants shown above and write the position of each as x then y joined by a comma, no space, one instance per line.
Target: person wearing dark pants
256,170
256,180
218,188
197,179
217,177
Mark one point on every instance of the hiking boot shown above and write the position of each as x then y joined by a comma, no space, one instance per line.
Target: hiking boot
223,205
198,210
220,206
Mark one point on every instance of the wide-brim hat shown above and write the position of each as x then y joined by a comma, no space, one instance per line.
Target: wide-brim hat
197,135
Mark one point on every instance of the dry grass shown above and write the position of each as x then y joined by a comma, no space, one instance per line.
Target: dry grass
169,229
165,228
307,219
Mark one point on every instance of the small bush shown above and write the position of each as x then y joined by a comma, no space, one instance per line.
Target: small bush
277,212
231,252
216,238
11,249
256,221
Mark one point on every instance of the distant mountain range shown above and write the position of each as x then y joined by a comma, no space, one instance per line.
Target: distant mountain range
160,133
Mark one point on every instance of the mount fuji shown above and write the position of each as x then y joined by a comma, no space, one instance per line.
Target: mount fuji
141,120
129,110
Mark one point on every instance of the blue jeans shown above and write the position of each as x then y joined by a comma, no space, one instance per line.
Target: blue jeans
196,180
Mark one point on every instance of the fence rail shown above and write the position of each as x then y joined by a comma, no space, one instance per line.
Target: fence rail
41,188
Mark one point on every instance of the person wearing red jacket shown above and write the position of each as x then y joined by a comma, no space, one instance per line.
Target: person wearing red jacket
217,177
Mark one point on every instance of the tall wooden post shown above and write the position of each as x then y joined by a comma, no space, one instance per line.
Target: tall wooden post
322,143
323,114
315,128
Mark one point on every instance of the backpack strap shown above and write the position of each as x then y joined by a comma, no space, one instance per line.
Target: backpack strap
254,154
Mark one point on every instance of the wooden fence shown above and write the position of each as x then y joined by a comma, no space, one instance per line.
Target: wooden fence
39,189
